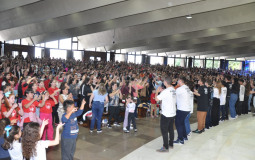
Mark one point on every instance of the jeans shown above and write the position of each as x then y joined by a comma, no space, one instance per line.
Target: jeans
208,119
223,112
137,104
227,107
68,147
97,112
114,112
187,124
249,102
167,126
232,103
131,117
180,123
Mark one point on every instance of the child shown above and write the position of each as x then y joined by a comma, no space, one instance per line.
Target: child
4,154
32,146
131,115
12,144
153,103
70,131
46,113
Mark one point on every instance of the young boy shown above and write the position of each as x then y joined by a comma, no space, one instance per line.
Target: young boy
71,129
131,114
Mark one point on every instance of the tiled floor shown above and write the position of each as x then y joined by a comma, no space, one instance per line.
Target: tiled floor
113,144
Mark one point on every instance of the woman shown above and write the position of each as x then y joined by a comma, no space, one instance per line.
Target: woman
10,109
98,96
74,89
62,97
233,98
216,103
246,97
115,96
54,91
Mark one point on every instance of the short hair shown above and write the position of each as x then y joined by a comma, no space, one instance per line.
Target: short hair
202,80
228,77
29,90
168,80
183,79
67,103
241,80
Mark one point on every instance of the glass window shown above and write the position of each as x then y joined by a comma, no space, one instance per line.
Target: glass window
15,53
177,62
156,60
161,54
65,43
24,54
197,63
91,49
143,52
38,52
138,60
92,58
252,66
58,54
131,59
108,57
119,57
235,65
52,44
24,41
216,64
98,58
170,61
75,46
17,41
123,51
42,44
9,42
77,55
75,39
138,52
209,63
118,51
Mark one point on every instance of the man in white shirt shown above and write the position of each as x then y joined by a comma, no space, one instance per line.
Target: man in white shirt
183,109
168,112
241,97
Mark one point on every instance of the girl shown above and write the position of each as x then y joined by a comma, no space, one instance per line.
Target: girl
32,146
131,113
34,87
223,101
99,97
12,143
216,103
54,91
62,97
10,109
46,113
41,87
4,154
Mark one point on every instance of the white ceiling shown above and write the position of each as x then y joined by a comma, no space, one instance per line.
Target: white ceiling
217,28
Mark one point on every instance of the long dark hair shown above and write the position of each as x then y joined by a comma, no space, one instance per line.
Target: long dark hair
30,136
9,140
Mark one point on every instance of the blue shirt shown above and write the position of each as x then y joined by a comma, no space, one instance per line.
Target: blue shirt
98,97
3,153
71,128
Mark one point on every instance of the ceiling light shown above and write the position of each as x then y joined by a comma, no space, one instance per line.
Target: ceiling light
188,16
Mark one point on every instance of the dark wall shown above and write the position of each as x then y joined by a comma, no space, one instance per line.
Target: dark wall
88,54
8,48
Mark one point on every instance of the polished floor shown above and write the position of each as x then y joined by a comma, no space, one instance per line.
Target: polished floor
229,141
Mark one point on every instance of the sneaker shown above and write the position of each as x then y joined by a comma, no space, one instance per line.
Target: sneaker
185,139
118,125
203,130
126,131
109,126
115,124
189,134
162,149
230,118
221,121
135,130
99,131
81,123
91,131
197,131
178,141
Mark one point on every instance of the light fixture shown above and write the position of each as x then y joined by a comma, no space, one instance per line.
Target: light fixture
189,16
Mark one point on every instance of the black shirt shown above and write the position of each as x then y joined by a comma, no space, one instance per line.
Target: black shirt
202,100
229,87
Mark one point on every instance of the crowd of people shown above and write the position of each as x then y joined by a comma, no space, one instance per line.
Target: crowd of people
38,94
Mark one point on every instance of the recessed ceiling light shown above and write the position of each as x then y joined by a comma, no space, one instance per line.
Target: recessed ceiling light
188,16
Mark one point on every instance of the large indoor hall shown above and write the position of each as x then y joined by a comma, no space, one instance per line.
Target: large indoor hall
127,79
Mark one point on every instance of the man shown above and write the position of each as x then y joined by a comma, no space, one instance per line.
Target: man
202,105
168,112
183,109
229,87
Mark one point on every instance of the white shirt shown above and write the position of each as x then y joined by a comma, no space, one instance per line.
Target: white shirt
191,102
223,96
16,151
41,150
131,107
183,98
168,97
216,93
241,93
